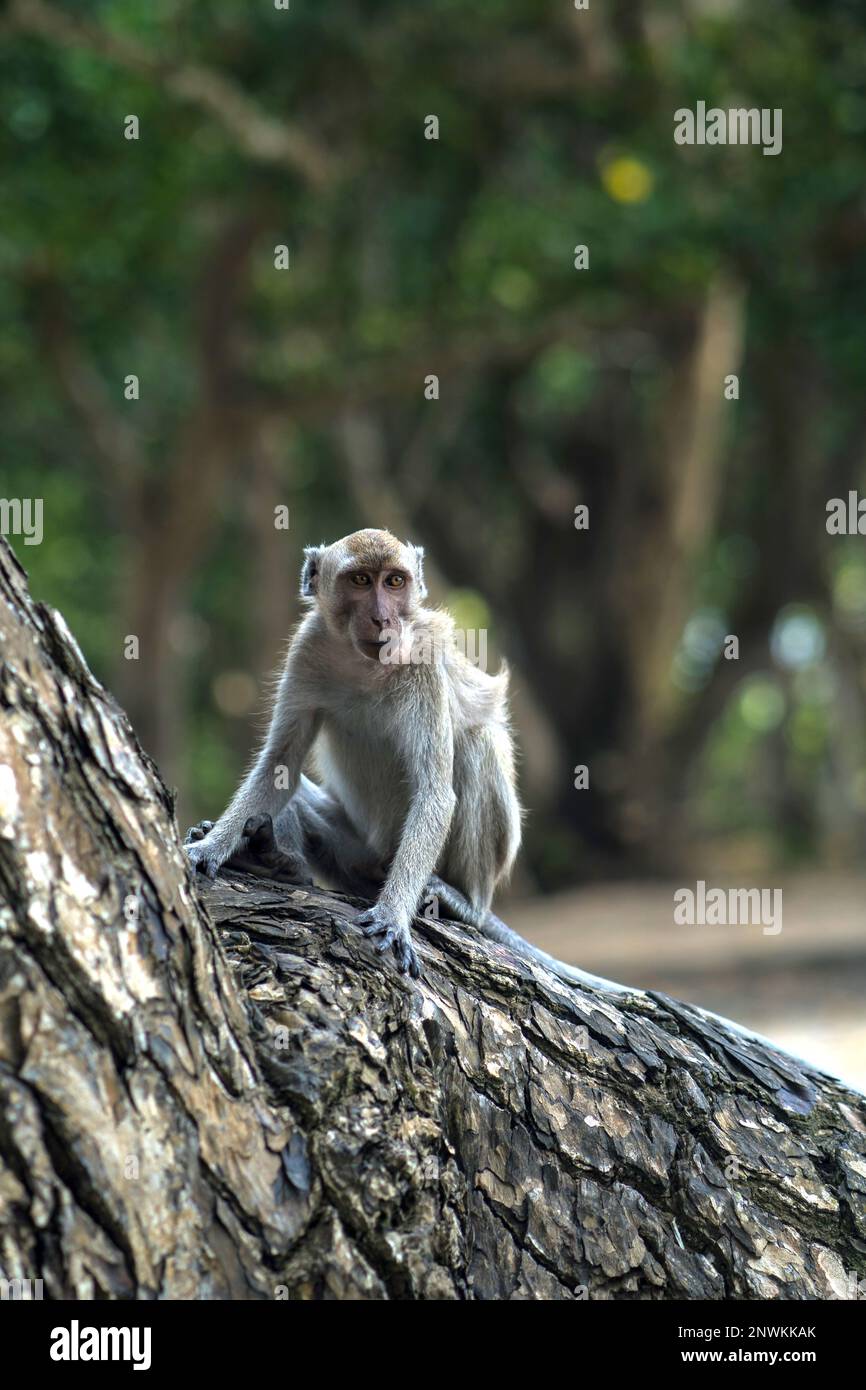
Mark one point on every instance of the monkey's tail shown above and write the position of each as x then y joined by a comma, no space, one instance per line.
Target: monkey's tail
496,930
491,926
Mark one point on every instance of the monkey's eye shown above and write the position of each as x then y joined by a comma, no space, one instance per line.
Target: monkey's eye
360,580
395,581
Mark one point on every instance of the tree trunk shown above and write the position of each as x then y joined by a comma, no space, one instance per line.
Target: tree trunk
223,1092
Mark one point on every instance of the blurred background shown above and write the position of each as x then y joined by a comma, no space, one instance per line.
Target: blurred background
411,257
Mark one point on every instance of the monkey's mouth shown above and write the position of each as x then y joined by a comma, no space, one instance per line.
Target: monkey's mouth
373,648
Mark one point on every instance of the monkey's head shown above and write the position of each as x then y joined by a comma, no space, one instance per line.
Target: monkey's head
367,587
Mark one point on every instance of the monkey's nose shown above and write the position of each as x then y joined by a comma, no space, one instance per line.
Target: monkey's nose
378,623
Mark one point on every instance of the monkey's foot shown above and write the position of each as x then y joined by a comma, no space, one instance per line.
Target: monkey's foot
259,854
396,936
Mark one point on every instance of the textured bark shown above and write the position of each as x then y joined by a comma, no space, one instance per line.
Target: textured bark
222,1091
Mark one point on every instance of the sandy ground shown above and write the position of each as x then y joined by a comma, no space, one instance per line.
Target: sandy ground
804,987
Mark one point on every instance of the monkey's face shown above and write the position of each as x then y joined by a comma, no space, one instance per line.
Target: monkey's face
378,608
367,588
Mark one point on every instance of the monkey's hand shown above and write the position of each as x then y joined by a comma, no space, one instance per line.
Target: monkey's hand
204,850
392,933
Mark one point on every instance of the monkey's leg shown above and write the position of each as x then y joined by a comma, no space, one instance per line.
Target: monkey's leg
345,858
460,908
313,827
333,844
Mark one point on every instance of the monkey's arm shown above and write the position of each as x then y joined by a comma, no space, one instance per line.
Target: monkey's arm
271,781
430,756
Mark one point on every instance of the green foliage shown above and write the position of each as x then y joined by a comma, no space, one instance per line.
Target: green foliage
550,136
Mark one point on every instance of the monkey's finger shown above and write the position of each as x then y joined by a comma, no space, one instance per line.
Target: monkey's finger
407,960
371,923
388,940
198,832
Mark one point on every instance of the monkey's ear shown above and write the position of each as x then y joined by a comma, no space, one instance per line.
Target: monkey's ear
418,555
310,570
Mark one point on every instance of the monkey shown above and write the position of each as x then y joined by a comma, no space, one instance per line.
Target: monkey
415,788
403,730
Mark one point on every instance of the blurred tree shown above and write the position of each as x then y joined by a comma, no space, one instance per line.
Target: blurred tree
412,257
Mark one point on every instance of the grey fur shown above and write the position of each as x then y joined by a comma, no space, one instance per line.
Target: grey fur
414,758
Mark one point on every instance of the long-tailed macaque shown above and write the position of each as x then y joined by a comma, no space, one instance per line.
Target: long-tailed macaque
415,786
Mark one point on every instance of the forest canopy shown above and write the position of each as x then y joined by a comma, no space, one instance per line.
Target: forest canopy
319,211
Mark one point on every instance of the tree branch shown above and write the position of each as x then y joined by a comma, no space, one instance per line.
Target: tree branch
114,442
256,134
235,1096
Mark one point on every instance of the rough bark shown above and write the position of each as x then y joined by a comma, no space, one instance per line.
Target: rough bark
222,1091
